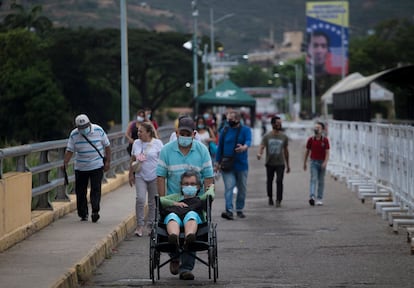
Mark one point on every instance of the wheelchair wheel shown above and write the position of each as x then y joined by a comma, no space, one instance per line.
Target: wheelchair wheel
215,255
152,260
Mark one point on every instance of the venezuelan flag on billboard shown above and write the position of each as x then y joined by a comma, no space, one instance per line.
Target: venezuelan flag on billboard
327,37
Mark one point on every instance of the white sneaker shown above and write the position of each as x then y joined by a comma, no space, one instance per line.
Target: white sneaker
139,231
319,203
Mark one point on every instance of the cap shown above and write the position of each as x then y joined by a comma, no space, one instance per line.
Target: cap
186,123
82,121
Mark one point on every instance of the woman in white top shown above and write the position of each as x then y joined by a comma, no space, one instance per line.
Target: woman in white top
145,150
205,132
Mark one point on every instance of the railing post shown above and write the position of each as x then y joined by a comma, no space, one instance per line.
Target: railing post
44,203
62,194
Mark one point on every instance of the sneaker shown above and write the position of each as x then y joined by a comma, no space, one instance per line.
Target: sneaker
174,266
84,218
173,240
271,202
139,231
319,203
312,202
278,204
149,229
227,215
95,217
190,238
240,214
187,275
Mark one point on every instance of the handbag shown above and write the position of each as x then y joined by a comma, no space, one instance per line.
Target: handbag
227,162
137,164
104,159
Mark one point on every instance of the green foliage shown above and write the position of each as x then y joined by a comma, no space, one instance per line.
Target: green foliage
249,76
86,64
31,106
29,20
159,68
391,45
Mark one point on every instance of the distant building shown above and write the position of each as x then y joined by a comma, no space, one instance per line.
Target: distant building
290,48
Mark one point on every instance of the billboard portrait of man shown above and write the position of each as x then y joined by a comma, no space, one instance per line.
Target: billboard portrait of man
327,38
318,52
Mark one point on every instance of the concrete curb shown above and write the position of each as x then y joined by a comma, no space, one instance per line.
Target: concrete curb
83,270
41,219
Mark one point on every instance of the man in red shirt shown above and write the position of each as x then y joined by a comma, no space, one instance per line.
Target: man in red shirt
318,148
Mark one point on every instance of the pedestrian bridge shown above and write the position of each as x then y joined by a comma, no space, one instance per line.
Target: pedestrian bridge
374,160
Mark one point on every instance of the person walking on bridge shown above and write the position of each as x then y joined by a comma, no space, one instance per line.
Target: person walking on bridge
145,153
318,148
232,160
277,156
92,150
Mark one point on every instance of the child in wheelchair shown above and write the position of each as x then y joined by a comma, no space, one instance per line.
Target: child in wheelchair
185,210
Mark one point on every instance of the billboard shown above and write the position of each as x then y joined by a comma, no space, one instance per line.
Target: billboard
327,38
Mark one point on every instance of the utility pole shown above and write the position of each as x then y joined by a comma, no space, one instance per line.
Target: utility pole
344,10
313,78
205,58
213,56
195,50
124,66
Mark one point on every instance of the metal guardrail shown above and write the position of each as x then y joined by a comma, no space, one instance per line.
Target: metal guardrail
374,159
45,161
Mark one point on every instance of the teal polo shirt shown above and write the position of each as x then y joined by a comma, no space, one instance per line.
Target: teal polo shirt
173,163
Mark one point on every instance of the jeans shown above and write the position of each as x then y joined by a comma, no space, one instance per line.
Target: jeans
270,173
81,189
187,260
317,178
233,179
141,188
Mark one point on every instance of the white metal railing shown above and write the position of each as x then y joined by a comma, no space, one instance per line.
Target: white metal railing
374,159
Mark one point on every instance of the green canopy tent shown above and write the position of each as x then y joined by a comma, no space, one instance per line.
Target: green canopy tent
230,95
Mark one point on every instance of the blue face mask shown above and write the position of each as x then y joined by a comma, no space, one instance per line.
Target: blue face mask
200,126
185,141
85,131
189,190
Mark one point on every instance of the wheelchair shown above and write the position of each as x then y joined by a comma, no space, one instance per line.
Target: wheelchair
206,240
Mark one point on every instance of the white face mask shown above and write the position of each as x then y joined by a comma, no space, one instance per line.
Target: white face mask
185,141
140,119
189,190
85,131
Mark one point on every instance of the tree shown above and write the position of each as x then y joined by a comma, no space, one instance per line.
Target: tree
391,45
86,63
32,107
32,20
159,68
249,76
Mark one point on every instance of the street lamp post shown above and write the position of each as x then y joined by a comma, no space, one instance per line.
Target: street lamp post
195,51
298,83
290,94
212,50
313,79
124,66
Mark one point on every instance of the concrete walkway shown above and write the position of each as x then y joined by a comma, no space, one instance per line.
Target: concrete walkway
341,244
67,251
